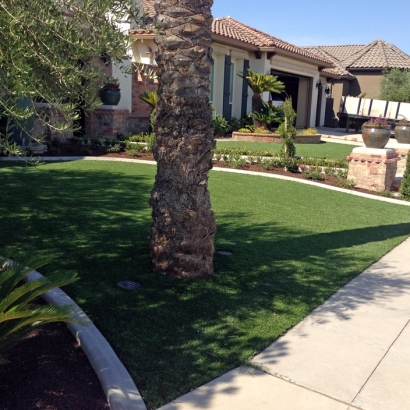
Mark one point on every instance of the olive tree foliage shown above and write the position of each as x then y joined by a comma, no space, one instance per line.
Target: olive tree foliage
395,85
48,48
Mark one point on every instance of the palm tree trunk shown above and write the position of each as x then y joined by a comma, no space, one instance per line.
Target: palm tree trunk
183,228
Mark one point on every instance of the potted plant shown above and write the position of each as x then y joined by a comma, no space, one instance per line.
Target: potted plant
110,93
376,133
402,131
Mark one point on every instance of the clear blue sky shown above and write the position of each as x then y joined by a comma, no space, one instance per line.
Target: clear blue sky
319,22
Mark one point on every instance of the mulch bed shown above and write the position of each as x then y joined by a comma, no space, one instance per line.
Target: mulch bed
49,371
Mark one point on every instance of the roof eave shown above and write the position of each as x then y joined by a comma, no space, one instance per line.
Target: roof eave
143,36
217,38
303,58
332,76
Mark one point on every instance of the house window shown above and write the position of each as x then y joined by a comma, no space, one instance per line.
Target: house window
211,84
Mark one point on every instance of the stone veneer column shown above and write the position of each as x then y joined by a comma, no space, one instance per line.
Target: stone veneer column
402,151
373,169
110,120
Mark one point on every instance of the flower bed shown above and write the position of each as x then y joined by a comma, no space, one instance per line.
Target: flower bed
275,138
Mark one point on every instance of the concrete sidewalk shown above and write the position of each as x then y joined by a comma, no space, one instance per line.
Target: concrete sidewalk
352,352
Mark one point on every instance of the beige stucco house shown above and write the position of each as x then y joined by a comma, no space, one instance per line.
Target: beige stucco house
237,47
360,67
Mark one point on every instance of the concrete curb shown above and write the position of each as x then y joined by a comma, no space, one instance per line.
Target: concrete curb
118,386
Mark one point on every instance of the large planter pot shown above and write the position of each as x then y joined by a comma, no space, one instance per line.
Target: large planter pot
375,137
110,96
402,134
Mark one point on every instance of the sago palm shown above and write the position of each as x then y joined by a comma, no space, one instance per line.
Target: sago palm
259,83
18,313
150,97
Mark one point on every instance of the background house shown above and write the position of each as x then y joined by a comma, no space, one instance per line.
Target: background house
360,67
238,47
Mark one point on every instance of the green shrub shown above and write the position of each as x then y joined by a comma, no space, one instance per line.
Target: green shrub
287,130
235,124
314,173
114,148
221,126
346,183
244,130
386,193
141,137
262,131
289,164
134,149
405,183
308,131
150,139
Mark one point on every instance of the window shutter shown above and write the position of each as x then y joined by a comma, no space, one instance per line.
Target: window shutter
226,109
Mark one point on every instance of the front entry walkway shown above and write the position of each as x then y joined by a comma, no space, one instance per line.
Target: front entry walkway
352,352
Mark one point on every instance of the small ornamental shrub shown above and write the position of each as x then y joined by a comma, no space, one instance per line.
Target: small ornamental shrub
346,183
405,183
150,139
287,130
114,148
314,173
308,131
262,131
221,126
134,149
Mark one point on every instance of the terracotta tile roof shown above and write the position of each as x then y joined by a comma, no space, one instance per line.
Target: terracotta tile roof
377,54
235,30
230,28
338,68
332,72
148,6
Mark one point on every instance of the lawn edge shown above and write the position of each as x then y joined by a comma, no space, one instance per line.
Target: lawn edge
118,386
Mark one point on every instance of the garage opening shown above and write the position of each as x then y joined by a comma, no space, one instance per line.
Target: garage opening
297,87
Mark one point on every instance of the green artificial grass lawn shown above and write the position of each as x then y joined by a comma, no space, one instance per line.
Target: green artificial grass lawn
292,245
322,150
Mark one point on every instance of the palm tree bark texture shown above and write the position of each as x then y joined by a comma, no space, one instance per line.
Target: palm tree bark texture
183,227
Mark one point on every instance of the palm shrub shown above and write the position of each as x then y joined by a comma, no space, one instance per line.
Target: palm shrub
19,313
405,183
287,130
151,98
260,83
268,114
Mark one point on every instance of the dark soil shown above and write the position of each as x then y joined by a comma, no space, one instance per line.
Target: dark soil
49,371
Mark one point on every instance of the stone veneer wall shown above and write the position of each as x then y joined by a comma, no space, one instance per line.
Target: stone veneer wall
402,153
275,138
139,117
108,121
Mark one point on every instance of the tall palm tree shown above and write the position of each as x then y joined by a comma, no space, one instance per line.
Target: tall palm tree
259,83
183,228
